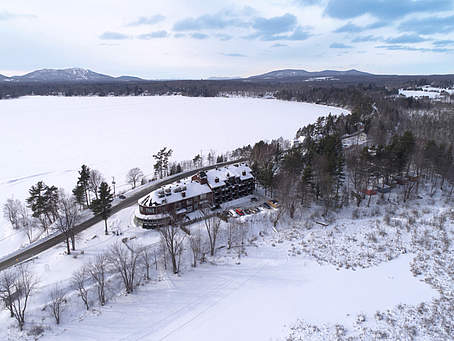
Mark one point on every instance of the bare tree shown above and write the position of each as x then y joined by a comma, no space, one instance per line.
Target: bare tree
68,215
232,233
24,284
80,281
98,272
243,230
7,280
57,301
195,240
11,211
212,226
172,238
134,176
94,181
124,260
146,261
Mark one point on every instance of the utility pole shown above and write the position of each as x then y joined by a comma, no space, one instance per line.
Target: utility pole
113,185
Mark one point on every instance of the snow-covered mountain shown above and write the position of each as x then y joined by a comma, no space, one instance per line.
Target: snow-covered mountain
290,73
66,75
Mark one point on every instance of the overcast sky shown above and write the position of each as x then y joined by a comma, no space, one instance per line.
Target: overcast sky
202,38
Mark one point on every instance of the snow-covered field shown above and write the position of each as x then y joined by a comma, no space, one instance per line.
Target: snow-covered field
49,138
427,91
383,271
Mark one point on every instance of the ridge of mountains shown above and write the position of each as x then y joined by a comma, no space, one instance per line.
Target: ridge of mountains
66,75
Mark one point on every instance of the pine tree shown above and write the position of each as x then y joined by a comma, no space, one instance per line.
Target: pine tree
37,202
83,182
161,165
79,195
103,204
51,201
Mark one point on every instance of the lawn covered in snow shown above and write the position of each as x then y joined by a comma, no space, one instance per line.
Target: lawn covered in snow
377,272
49,138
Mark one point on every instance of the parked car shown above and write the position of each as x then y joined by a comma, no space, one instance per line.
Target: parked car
232,213
258,208
254,210
122,196
239,212
247,211
266,205
253,199
273,203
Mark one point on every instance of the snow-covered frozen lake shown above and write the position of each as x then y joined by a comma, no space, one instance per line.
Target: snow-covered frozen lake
49,138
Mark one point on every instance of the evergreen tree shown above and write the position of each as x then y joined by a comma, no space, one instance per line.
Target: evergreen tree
79,195
103,204
83,182
41,201
161,165
51,201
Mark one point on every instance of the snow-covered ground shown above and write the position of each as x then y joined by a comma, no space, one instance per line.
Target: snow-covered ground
427,91
378,272
49,138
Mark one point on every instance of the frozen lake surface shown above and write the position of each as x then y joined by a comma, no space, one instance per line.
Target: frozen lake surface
49,138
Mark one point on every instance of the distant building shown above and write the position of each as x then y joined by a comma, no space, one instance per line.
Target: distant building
205,189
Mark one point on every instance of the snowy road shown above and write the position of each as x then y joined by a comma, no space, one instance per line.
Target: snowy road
131,199
251,301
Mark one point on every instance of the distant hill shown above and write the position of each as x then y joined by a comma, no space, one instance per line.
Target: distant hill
288,74
66,75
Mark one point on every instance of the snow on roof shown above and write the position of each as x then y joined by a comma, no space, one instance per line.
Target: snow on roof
174,192
223,173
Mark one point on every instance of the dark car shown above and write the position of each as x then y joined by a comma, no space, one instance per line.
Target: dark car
122,196
253,199
266,205
247,211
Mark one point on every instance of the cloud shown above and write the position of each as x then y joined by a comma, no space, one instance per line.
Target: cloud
147,20
428,25
368,38
349,28
153,35
443,42
410,48
308,2
4,15
233,55
199,35
221,20
278,28
340,46
298,34
352,28
384,9
113,36
279,45
223,37
275,25
179,35
406,38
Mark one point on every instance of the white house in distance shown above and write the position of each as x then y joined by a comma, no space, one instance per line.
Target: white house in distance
207,188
